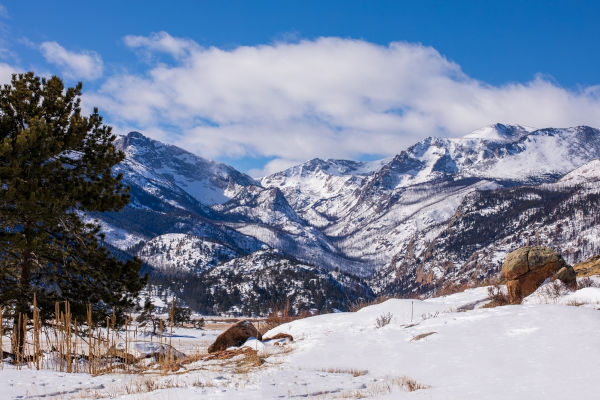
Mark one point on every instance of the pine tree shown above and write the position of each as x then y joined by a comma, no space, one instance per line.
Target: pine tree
147,313
182,315
55,166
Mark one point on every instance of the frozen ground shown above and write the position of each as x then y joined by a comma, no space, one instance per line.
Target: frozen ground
447,348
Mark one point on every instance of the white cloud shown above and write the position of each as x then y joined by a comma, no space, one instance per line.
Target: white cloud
84,65
3,12
329,97
6,72
162,42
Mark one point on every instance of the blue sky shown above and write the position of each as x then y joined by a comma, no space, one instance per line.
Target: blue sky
263,85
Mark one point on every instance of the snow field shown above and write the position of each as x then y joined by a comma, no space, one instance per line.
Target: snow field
537,350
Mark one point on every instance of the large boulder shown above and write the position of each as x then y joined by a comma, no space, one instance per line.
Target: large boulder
528,267
589,267
236,335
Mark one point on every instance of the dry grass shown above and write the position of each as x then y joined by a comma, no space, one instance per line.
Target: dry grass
554,290
150,384
586,282
225,354
449,288
383,320
280,336
386,387
497,297
279,316
250,360
66,345
349,371
422,336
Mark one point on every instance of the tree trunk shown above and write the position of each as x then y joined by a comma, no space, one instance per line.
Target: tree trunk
22,304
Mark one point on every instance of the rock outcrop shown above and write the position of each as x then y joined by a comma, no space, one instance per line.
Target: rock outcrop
236,335
528,267
589,267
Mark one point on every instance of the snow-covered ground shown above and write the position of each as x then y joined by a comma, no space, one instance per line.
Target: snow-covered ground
446,348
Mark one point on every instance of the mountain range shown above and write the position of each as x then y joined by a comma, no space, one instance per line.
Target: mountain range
441,212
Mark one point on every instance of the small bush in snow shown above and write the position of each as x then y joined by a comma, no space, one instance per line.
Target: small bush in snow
497,297
383,320
555,289
586,282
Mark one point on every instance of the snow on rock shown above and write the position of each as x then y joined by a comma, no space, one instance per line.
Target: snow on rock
254,344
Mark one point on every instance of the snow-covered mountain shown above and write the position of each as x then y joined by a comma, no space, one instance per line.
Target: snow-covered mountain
265,214
177,253
409,223
488,225
317,182
421,188
170,173
259,282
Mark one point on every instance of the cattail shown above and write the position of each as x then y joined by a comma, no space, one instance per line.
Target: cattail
126,342
75,346
1,336
36,332
109,361
90,347
24,333
57,343
160,330
67,336
172,322
18,335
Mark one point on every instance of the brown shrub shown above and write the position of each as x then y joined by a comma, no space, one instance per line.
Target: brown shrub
228,354
586,282
280,336
281,315
497,297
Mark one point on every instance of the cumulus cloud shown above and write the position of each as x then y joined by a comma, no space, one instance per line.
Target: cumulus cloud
83,65
329,97
6,72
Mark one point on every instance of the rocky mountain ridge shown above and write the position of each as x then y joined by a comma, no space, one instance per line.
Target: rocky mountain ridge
407,224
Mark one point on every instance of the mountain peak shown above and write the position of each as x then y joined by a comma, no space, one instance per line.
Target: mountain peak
153,164
500,132
135,134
